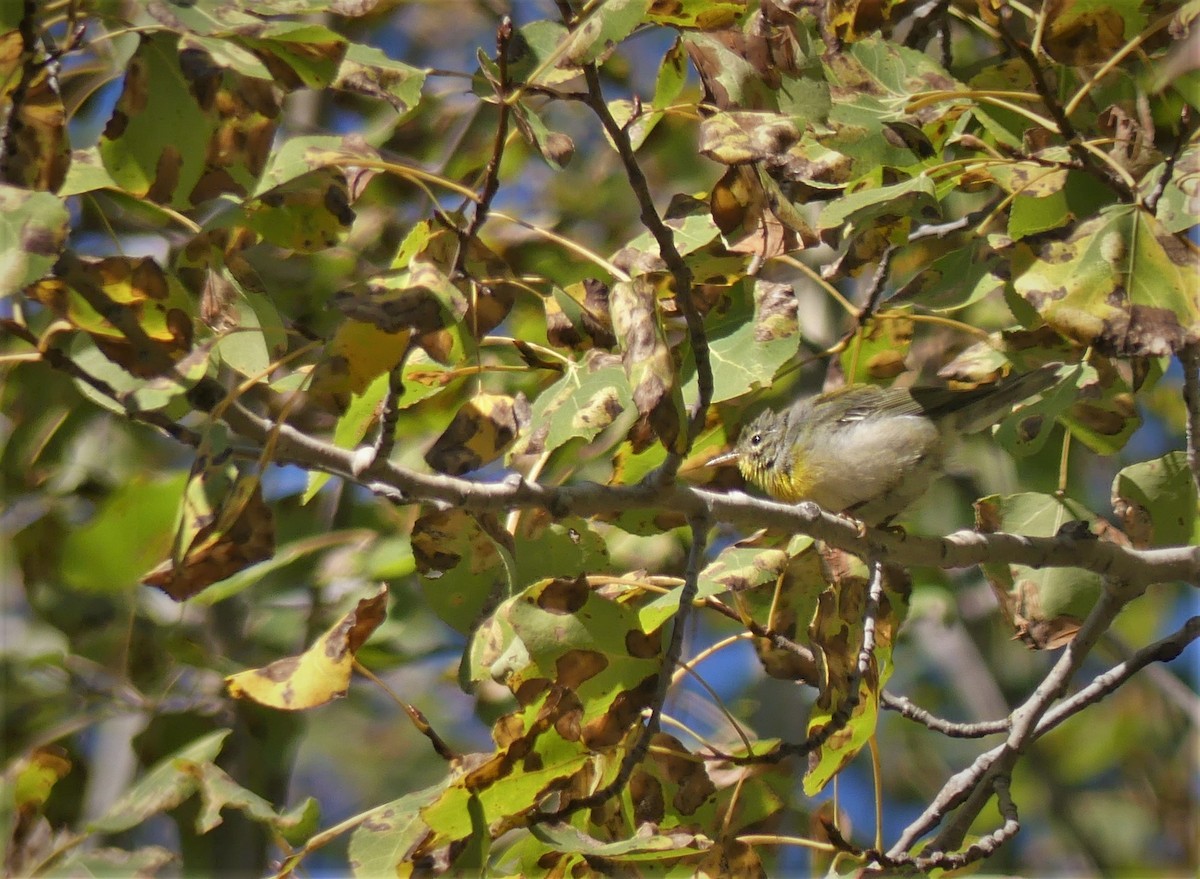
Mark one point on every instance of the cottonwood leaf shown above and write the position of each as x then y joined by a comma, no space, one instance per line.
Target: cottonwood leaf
1120,282
320,674
1044,607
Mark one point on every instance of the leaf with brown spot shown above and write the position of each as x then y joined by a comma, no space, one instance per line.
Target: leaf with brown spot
529,637
481,431
36,152
750,219
225,526
33,230
592,393
637,324
137,314
1155,502
321,673
461,567
1081,34
1119,282
837,631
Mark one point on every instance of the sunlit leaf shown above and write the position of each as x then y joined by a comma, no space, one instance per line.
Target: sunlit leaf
1119,282
319,674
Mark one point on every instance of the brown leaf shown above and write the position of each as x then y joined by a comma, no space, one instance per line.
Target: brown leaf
36,154
240,534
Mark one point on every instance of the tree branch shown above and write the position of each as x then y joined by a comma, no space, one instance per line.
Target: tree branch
968,791
1189,357
961,549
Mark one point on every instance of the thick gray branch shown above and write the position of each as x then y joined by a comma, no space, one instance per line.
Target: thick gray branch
959,550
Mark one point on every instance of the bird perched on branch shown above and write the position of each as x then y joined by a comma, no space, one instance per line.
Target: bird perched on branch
866,450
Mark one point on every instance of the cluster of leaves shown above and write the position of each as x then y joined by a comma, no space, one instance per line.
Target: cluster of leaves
358,306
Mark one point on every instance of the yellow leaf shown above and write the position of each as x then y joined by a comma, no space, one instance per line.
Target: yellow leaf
319,674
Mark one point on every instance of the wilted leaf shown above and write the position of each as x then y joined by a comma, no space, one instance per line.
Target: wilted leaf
638,327
319,674
36,154
138,315
225,526
837,629
577,317
480,432
850,20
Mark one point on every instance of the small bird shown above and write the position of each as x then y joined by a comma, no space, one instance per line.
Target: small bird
866,450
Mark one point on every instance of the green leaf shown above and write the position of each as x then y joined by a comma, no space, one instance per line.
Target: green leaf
167,784
298,156
1120,282
128,534
953,281
1156,502
389,832
368,71
589,396
33,230
1044,607
1079,197
915,198
747,348
608,24
154,144
311,53
705,15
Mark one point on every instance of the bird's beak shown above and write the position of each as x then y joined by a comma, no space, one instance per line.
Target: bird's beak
730,457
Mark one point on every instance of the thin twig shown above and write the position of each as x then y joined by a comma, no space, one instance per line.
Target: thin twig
853,695
491,176
905,708
1163,650
1065,127
968,799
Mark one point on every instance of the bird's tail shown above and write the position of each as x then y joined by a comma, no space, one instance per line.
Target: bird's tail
976,409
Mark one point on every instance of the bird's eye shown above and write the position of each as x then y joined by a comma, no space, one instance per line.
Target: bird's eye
756,440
